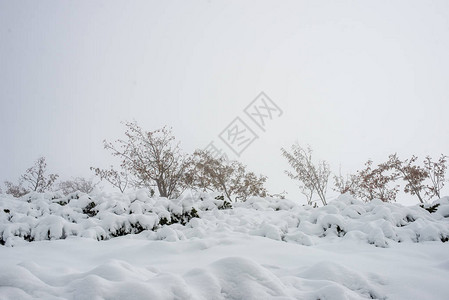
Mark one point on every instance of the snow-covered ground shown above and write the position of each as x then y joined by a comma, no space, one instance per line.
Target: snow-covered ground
260,249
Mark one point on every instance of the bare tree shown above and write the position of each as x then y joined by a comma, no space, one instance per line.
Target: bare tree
313,178
373,183
119,180
17,190
245,184
152,157
35,179
413,175
370,183
437,172
78,184
207,173
344,184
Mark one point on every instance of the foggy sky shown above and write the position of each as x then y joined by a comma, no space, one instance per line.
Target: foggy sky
354,79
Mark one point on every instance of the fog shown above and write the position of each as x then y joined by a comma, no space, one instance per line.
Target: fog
354,80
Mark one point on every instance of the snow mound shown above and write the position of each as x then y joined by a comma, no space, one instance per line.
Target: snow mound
50,216
226,278
37,217
345,218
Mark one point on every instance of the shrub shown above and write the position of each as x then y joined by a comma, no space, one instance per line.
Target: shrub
117,179
152,157
436,172
313,178
370,183
413,175
16,190
77,184
231,178
35,179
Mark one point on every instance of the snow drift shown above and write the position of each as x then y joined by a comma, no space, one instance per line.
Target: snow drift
50,216
136,247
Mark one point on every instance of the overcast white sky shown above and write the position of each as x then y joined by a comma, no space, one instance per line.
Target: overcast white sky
355,79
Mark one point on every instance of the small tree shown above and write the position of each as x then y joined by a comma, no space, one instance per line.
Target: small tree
152,157
16,190
370,183
117,179
344,184
207,173
413,175
78,184
245,184
313,178
437,173
35,179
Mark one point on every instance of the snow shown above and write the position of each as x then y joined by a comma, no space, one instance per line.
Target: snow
133,246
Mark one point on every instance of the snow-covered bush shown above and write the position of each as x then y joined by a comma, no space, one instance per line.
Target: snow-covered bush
345,218
50,216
